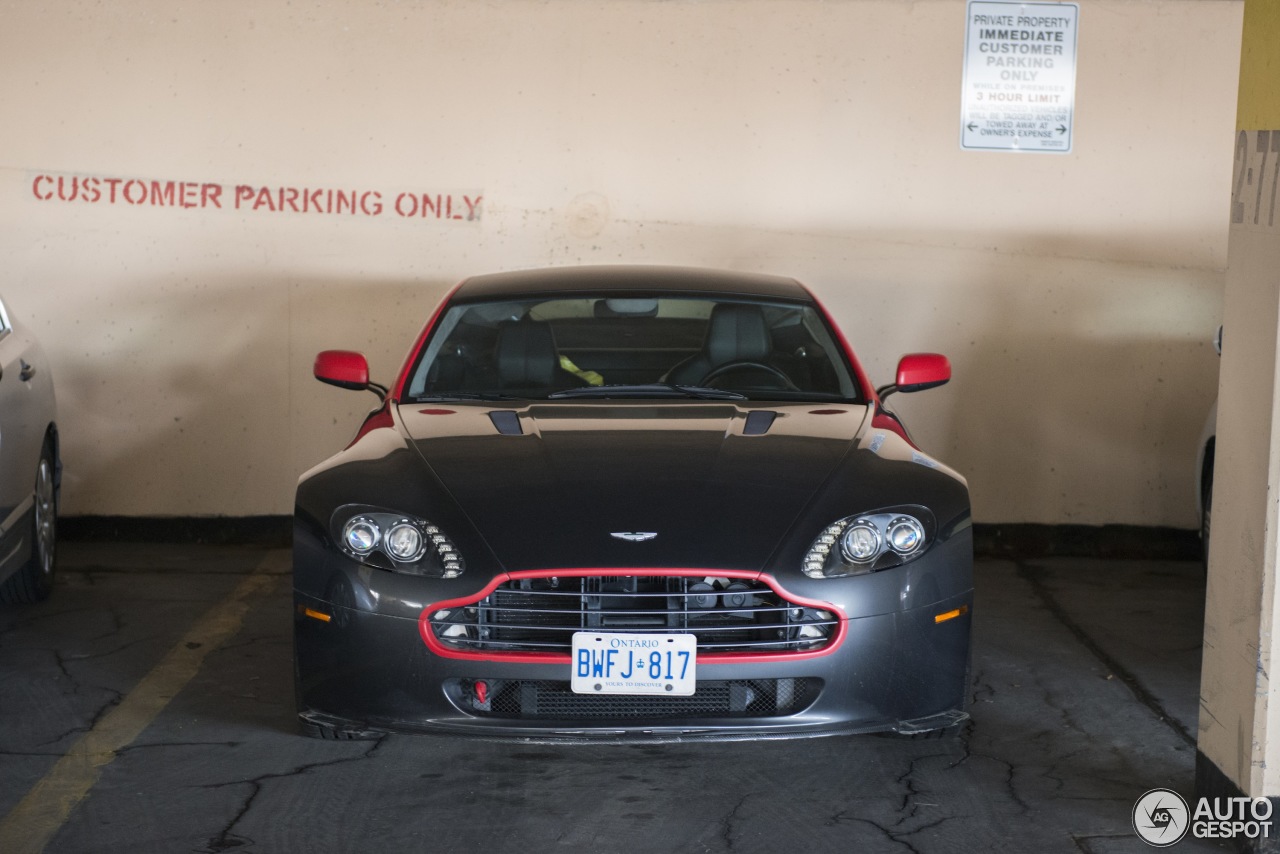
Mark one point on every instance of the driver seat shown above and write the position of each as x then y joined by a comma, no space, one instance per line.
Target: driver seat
526,358
736,333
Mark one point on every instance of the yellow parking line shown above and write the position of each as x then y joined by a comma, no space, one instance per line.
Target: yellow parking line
39,815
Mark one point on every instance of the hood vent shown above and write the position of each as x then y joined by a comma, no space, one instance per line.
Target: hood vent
506,422
758,422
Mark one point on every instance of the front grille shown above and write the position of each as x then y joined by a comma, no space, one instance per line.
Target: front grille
540,615
541,700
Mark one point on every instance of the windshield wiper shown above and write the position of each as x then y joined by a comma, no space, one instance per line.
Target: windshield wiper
643,390
445,397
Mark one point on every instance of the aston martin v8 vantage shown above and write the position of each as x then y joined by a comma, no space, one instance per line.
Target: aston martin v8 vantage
631,503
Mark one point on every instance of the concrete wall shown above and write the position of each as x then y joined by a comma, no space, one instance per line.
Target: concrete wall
1239,699
1076,294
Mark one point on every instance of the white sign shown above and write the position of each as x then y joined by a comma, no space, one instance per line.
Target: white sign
1019,76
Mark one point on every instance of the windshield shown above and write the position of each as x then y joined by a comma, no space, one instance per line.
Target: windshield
638,346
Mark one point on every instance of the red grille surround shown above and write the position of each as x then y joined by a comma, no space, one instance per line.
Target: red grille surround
443,649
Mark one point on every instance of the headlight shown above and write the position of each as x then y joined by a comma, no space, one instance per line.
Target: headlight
404,542
905,535
361,535
396,542
861,542
869,542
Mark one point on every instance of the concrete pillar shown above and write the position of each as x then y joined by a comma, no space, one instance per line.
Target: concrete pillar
1239,730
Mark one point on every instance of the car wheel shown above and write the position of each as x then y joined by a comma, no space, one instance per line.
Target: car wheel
34,581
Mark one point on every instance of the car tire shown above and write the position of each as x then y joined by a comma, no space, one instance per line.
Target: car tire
34,580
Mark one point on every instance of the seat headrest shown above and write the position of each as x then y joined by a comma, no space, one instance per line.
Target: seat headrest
526,354
737,333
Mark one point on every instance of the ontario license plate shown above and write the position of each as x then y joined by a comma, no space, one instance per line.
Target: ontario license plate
612,663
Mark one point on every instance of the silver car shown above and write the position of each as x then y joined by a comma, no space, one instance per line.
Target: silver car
30,467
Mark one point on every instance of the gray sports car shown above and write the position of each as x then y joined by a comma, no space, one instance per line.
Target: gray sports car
631,502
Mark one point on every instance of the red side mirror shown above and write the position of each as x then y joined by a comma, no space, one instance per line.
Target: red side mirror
342,368
919,371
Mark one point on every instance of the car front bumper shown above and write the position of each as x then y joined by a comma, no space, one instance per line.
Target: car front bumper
362,666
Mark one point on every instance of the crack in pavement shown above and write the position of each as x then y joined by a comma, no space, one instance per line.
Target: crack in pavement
98,715
922,828
726,823
227,839
888,834
44,809
909,806
1009,785
1026,573
89,656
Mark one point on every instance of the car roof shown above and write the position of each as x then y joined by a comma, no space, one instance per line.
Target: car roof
629,278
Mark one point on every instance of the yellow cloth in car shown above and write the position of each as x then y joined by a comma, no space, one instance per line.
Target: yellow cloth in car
590,376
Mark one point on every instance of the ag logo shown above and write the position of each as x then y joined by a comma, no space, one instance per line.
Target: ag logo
1161,818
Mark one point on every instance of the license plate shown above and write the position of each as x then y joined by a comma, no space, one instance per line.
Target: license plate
612,663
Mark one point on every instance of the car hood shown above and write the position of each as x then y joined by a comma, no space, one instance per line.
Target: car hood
549,485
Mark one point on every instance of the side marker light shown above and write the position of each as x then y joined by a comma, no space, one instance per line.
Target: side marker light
316,615
952,614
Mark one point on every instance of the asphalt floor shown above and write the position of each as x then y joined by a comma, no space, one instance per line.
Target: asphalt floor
148,706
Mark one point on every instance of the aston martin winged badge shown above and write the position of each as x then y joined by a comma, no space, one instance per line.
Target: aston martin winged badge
634,536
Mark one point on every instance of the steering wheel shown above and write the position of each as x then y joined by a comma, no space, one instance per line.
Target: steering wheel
743,365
